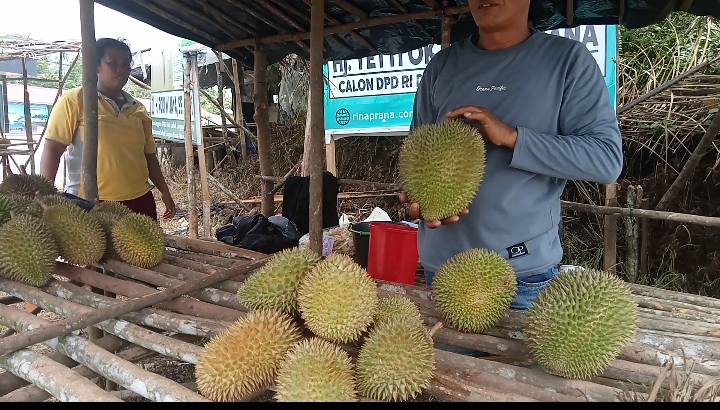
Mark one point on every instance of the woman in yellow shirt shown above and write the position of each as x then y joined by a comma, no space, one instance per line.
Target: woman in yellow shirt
126,149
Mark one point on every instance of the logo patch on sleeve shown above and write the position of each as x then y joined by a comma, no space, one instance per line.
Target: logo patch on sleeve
517,251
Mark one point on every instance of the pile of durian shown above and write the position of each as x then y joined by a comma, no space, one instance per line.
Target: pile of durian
38,225
303,310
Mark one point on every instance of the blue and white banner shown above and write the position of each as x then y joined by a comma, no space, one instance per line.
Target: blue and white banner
374,95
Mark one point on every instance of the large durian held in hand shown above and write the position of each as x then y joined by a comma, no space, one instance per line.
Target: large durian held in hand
337,299
139,240
80,238
27,250
275,284
441,166
245,357
580,323
474,289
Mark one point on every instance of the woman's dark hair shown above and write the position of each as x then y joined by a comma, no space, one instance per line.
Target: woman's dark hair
104,43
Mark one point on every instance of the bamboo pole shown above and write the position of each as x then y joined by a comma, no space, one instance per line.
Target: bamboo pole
195,84
156,318
28,116
262,121
122,372
61,382
185,275
66,326
238,78
610,230
634,198
190,154
317,19
215,248
90,101
219,70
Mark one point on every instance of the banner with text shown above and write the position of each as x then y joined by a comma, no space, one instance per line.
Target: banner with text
375,95
167,110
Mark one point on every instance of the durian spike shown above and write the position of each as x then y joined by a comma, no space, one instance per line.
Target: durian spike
435,329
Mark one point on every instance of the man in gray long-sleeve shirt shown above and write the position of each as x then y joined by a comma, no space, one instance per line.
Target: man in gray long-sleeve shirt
542,105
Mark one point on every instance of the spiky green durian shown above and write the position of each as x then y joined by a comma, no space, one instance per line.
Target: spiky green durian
396,361
474,289
394,306
27,185
27,250
245,357
80,238
316,370
580,322
139,240
275,284
107,220
337,299
441,167
20,204
112,207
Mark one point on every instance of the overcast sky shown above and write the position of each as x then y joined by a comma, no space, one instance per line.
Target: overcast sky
53,20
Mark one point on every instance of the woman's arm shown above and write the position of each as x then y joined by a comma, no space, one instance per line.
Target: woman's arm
50,159
59,134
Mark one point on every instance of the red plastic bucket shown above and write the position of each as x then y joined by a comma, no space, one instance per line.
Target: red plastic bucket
393,253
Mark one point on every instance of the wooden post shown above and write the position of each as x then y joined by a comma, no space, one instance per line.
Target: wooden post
330,162
220,69
305,166
644,239
634,198
195,83
317,20
190,153
28,117
238,77
610,230
90,101
446,29
262,121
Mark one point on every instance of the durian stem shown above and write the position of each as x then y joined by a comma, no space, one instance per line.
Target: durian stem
437,326
133,333
156,318
143,382
209,295
58,380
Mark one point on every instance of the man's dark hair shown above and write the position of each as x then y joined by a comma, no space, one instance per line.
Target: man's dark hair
104,43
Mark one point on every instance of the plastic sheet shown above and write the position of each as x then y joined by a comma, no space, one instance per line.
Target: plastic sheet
213,22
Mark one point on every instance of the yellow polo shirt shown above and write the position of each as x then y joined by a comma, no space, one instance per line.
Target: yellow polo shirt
124,137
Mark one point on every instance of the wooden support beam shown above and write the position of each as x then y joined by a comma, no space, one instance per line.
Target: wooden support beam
610,230
90,101
195,84
344,28
317,19
237,83
229,148
190,155
262,120
28,117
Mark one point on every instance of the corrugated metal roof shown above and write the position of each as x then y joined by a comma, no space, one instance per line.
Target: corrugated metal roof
216,22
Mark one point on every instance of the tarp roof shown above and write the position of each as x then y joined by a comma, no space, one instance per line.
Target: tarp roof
218,22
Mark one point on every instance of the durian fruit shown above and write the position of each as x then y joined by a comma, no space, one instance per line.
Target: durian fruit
580,322
112,207
139,240
80,238
56,199
28,251
19,204
441,166
474,289
316,370
275,284
245,357
398,306
396,361
27,185
337,299
107,220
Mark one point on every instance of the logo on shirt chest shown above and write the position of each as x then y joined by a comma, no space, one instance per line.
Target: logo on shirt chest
482,88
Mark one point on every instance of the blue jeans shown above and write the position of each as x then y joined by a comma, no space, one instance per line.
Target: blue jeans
528,289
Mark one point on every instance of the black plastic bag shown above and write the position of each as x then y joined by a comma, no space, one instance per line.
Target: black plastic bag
255,233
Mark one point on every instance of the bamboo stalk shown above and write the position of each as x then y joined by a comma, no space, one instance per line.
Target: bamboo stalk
173,262
120,328
187,274
9,382
66,326
124,373
210,295
61,382
215,248
33,393
217,261
130,289
634,197
449,387
156,318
